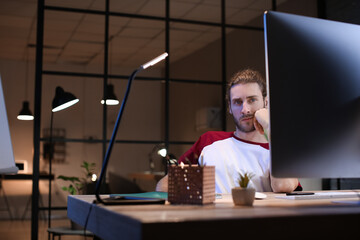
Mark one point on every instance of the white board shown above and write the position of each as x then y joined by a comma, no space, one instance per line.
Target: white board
7,161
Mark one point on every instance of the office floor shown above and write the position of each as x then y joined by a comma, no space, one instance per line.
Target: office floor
21,230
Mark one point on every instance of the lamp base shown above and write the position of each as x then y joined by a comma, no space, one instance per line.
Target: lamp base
124,200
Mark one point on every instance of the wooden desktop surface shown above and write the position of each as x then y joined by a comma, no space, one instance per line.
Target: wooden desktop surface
25,176
280,218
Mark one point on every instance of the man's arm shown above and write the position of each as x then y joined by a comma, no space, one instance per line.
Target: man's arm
277,184
284,184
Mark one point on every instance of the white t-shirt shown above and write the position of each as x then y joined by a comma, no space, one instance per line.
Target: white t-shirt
231,155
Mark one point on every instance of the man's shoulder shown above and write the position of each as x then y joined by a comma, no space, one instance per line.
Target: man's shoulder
217,134
213,136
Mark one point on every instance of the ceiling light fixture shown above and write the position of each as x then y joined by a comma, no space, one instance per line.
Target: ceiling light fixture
110,97
25,113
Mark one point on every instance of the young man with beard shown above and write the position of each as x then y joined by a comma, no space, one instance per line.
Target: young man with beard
244,150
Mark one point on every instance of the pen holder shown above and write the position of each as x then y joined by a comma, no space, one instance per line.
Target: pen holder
191,184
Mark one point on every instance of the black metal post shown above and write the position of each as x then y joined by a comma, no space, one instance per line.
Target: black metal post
37,118
223,65
321,6
106,55
273,7
51,154
167,76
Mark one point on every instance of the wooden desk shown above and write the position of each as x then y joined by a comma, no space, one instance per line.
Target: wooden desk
23,176
269,218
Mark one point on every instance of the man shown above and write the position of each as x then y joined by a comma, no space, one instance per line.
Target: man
246,149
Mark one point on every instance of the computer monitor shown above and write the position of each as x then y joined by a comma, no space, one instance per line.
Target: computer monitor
7,162
313,77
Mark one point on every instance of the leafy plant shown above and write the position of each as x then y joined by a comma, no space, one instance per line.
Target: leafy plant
76,184
74,187
244,179
89,168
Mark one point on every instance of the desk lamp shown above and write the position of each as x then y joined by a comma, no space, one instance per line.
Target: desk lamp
167,158
160,150
61,101
111,143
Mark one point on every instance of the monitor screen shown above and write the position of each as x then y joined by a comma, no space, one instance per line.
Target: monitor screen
313,77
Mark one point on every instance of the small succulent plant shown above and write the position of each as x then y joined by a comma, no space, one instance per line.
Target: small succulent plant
244,179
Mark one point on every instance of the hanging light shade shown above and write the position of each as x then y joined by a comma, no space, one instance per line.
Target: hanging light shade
63,100
25,113
111,99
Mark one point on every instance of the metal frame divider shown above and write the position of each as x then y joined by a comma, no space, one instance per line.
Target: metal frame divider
41,7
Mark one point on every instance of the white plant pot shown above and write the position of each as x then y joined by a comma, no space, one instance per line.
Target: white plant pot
243,196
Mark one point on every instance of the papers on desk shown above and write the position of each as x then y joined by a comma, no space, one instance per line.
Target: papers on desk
321,195
164,195
258,196
145,195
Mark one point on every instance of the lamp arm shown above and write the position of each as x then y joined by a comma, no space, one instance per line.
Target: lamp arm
113,136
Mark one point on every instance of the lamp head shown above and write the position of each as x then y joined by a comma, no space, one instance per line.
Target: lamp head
25,113
63,99
154,61
162,152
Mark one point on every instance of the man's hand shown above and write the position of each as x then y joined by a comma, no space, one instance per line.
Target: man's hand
261,120
162,185
284,184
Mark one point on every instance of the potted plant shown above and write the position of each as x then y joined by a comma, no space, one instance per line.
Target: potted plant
78,185
243,195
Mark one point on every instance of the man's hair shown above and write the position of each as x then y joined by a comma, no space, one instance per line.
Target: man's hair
246,76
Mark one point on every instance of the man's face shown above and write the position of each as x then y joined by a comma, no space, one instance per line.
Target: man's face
245,100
